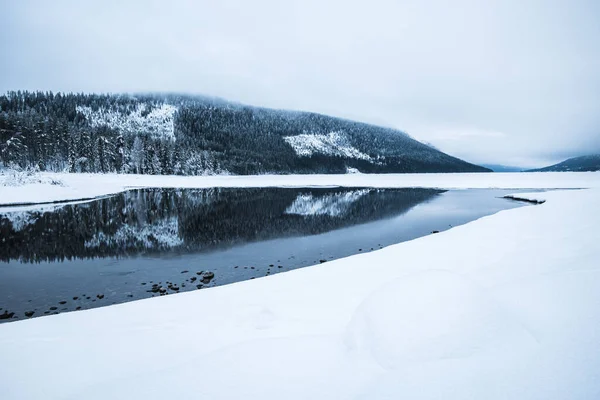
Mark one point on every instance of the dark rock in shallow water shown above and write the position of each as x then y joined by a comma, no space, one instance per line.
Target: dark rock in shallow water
322,261
129,295
75,298
185,271
208,275
53,308
199,286
78,308
435,231
100,296
193,279
6,315
29,314
162,290
62,302
199,272
143,283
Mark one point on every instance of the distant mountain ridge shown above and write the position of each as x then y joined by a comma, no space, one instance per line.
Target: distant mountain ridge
575,164
197,135
502,168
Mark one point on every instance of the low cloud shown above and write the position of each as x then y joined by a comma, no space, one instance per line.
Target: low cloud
492,82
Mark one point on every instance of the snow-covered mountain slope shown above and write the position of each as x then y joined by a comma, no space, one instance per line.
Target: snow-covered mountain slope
194,135
576,164
158,121
331,144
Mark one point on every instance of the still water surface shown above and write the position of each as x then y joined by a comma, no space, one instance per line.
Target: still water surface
152,242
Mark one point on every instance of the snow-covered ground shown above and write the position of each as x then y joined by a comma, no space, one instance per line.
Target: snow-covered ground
505,307
332,144
86,186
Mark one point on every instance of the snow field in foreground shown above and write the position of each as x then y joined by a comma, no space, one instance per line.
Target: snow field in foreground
504,307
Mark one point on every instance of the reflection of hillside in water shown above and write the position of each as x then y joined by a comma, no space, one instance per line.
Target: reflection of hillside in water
191,220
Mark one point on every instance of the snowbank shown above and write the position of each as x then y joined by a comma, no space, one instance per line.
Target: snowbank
86,186
505,307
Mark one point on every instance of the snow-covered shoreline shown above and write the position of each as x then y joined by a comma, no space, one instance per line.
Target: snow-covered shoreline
504,307
76,187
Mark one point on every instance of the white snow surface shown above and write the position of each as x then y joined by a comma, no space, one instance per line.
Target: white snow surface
159,122
331,144
333,204
87,186
505,307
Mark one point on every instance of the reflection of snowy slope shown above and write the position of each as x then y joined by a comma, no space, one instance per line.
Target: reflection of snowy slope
21,216
332,144
20,220
333,205
201,197
160,235
158,122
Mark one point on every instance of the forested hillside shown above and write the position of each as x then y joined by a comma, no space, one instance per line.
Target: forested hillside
194,135
575,164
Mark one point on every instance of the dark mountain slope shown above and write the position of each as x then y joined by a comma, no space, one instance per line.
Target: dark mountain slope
180,134
578,164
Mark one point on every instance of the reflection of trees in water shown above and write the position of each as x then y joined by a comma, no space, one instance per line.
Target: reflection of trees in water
157,220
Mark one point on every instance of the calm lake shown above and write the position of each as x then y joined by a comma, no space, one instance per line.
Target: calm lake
152,242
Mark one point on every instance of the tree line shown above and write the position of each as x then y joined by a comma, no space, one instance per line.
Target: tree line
49,131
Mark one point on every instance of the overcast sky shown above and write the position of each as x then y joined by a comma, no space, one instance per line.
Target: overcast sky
515,82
